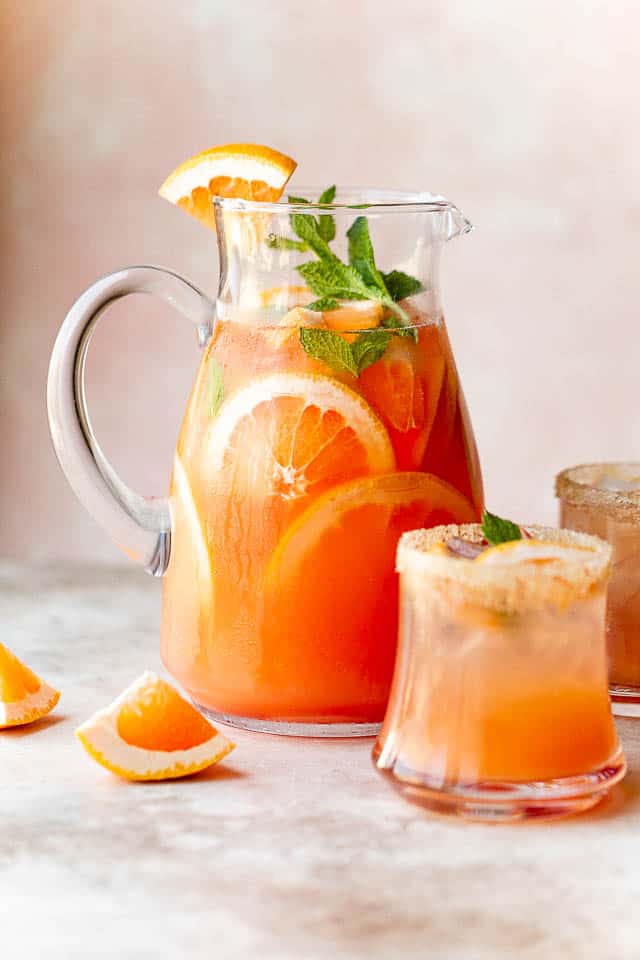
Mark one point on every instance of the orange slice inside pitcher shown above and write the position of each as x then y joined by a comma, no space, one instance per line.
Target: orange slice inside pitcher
296,435
150,732
247,171
404,387
337,558
24,697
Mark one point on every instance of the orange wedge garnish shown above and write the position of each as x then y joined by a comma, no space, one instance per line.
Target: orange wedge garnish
23,696
151,733
247,171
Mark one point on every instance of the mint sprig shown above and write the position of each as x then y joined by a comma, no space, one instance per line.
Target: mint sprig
497,530
325,223
338,353
332,281
328,276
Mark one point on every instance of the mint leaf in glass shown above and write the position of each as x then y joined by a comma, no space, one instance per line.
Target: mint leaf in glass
401,285
342,356
369,347
497,530
283,243
324,303
361,256
326,222
330,348
333,278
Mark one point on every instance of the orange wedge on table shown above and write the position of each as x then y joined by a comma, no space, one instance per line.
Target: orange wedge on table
247,171
150,732
24,697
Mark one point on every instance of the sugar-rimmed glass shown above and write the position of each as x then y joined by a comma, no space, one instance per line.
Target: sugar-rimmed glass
604,499
499,709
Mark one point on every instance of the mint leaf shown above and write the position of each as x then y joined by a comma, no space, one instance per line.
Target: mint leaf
283,243
361,255
336,352
330,348
496,530
215,386
292,199
324,303
401,285
333,278
328,195
400,329
306,227
369,347
327,223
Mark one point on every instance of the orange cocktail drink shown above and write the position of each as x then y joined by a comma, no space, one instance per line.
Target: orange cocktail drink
289,500
500,707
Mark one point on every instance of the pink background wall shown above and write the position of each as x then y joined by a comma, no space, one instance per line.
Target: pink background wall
524,113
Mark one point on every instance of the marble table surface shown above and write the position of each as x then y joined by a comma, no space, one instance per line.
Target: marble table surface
291,850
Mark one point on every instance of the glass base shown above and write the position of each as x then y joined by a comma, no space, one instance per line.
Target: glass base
287,728
625,701
508,802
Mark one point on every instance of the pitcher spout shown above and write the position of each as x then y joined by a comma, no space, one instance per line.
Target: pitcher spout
455,223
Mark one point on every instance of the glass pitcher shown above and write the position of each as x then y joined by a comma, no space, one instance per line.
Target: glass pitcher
326,419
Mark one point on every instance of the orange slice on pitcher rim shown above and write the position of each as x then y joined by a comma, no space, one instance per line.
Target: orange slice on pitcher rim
150,732
295,434
24,697
247,171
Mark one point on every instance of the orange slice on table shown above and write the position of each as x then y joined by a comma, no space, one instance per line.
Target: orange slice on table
247,171
337,558
24,697
151,733
295,434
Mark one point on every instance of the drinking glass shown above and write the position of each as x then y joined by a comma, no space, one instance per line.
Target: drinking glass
499,708
604,498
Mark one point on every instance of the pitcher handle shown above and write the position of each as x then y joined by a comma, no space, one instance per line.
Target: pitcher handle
140,526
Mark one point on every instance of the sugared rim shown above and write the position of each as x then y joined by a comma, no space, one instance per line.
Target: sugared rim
507,587
579,487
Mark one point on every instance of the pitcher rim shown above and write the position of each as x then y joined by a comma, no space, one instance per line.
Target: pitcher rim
377,200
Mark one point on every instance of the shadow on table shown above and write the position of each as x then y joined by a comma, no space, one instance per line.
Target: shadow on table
36,726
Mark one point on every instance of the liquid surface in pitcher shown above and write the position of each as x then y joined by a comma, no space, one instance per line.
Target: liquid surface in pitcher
292,483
